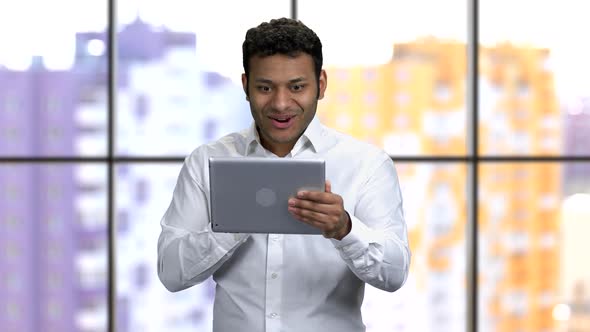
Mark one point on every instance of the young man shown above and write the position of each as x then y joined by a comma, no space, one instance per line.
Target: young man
290,282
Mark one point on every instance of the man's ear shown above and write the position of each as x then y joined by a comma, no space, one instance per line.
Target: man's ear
323,84
245,86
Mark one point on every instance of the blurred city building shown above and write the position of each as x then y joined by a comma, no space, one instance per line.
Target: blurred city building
576,129
54,274
415,105
54,215
54,239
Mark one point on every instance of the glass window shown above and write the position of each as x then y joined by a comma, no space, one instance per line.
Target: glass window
534,76
397,78
396,72
433,298
53,78
179,72
53,247
533,221
140,293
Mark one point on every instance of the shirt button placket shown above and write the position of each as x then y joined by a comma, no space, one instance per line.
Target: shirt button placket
273,282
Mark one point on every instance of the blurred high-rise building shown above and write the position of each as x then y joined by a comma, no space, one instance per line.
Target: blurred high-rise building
54,245
415,105
167,104
520,224
519,114
576,131
44,241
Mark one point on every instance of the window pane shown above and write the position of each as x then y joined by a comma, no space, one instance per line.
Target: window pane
433,298
534,78
180,66
143,195
53,248
434,294
52,78
396,72
534,220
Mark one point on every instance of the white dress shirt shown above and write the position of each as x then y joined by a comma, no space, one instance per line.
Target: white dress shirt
274,282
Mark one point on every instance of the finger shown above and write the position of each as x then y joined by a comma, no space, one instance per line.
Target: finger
319,197
328,186
313,206
328,224
310,215
328,229
312,222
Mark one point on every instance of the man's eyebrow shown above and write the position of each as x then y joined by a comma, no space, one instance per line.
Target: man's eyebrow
263,80
297,80
268,81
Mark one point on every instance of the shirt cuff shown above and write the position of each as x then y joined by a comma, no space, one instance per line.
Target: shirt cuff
355,242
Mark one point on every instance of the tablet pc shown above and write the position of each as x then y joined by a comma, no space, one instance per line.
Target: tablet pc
250,194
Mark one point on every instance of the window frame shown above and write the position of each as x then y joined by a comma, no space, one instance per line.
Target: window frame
472,160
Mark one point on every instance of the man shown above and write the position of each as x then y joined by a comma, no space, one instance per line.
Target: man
290,282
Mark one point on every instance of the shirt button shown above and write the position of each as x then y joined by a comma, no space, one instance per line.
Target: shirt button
274,275
273,315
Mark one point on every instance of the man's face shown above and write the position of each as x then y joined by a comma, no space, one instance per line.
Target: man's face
283,96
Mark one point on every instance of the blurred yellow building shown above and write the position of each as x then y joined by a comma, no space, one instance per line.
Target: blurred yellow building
415,105
520,116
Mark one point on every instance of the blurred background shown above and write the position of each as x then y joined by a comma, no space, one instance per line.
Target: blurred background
397,78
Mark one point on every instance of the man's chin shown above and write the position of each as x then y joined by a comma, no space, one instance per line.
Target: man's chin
284,139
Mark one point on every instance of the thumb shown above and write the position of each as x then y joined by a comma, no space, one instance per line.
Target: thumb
328,186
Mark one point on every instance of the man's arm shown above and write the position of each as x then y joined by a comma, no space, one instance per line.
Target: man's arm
188,250
373,242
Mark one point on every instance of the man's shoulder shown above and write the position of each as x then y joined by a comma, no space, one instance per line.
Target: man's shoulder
349,144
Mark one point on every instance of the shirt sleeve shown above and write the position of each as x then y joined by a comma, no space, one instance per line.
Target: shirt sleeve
376,249
188,250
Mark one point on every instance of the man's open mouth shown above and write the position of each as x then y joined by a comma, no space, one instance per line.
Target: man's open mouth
282,122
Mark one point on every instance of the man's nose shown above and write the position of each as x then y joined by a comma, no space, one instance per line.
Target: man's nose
281,99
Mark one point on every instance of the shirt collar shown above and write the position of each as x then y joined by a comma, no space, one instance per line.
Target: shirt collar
315,133
251,139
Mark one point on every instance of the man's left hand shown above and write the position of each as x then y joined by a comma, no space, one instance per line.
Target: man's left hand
324,210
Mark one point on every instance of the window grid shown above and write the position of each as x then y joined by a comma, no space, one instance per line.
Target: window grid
473,160
111,227
471,228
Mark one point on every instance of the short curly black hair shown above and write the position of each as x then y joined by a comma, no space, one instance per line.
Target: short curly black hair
282,36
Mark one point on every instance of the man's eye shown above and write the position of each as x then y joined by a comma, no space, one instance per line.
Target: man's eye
297,87
264,88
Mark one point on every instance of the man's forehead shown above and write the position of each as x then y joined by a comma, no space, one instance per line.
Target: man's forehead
281,67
